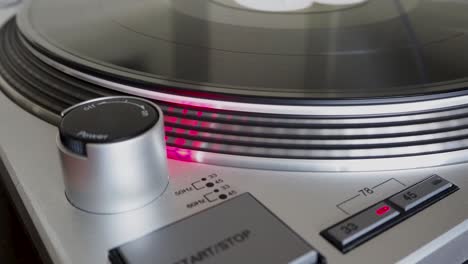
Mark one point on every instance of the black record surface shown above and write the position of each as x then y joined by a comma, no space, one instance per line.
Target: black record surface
375,48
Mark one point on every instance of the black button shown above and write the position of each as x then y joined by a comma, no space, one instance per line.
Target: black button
421,192
352,229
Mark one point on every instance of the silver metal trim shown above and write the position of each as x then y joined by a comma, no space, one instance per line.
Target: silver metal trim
311,153
178,112
311,165
300,143
389,131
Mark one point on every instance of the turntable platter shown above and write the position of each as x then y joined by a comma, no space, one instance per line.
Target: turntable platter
325,50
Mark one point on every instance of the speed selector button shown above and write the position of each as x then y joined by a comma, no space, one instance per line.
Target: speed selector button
418,194
351,231
113,154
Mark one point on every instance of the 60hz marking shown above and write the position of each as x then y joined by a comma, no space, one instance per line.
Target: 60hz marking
183,191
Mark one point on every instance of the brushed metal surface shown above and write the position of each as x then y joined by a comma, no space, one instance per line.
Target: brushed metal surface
306,201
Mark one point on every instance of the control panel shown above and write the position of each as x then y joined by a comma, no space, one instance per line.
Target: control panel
374,220
214,214
241,229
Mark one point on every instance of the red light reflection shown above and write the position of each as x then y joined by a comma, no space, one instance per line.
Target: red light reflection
180,141
171,119
179,154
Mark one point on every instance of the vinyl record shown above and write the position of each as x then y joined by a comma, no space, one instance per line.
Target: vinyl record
301,49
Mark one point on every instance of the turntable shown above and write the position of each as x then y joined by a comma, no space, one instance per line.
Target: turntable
300,131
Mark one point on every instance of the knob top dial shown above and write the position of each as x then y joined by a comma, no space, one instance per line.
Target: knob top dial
106,120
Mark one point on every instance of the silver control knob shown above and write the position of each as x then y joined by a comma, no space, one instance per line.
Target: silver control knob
113,154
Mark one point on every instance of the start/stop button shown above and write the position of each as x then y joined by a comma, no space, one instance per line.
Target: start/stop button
240,230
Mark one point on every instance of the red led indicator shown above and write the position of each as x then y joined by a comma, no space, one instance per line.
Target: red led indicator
383,210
